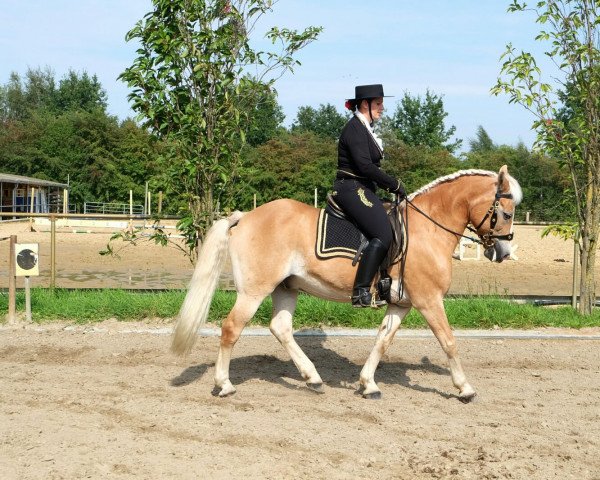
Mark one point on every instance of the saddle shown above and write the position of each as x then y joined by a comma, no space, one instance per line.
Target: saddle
338,236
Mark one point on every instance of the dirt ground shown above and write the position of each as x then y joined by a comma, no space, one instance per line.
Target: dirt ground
543,266
84,402
103,402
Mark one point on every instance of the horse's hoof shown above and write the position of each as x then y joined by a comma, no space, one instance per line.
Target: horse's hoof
223,392
316,387
469,398
372,396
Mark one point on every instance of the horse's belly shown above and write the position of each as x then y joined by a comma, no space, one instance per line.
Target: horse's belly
317,288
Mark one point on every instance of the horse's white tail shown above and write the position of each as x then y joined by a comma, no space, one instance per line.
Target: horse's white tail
211,259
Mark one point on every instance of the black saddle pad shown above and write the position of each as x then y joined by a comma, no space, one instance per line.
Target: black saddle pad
336,237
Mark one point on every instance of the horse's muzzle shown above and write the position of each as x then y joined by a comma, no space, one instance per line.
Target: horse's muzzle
499,252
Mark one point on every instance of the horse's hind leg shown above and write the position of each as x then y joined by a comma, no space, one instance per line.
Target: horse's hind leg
390,324
244,309
284,304
438,322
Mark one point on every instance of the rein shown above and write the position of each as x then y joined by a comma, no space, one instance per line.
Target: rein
486,240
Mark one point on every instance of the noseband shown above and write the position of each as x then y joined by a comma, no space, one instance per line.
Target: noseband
487,239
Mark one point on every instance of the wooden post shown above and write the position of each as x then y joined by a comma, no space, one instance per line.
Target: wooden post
526,217
12,281
52,251
575,262
159,202
145,212
130,210
146,200
27,300
65,201
31,207
315,197
149,204
254,201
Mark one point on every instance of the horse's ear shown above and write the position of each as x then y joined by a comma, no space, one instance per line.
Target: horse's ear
503,184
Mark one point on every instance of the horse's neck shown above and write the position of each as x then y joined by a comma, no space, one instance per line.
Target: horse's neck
448,204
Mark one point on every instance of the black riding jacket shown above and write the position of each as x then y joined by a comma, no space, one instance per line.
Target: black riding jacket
359,157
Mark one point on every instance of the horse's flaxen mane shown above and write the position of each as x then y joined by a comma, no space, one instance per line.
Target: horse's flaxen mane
449,178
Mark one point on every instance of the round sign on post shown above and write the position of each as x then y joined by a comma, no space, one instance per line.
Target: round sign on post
27,260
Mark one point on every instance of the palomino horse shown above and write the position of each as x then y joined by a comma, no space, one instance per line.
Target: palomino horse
272,251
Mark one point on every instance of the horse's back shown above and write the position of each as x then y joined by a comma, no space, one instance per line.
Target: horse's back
276,219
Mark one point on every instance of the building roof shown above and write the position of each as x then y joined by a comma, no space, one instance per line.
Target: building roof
8,178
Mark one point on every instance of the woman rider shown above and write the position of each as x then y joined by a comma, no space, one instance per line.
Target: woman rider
360,152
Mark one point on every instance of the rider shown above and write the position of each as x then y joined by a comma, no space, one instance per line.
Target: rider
360,152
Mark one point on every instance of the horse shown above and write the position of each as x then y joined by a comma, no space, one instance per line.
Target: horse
272,252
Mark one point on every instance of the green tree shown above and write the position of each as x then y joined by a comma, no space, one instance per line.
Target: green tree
420,122
325,121
416,165
572,29
540,177
77,141
291,165
482,142
21,96
191,86
80,92
40,89
12,102
265,118
37,91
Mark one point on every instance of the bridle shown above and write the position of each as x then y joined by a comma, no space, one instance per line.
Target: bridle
485,239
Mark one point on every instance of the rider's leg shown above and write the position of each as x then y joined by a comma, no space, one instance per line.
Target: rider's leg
372,257
364,207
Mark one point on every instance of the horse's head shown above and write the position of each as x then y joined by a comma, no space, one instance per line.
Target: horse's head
494,227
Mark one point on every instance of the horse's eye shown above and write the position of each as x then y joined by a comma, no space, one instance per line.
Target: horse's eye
507,216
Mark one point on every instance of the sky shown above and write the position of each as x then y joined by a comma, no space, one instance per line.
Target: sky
452,48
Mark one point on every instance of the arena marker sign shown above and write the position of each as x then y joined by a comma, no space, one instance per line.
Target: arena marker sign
27,260
27,266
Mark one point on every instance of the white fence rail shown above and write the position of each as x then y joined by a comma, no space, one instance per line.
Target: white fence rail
112,208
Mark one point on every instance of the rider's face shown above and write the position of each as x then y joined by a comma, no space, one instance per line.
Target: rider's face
376,108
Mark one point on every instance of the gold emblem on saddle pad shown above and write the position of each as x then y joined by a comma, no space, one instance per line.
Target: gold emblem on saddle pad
363,198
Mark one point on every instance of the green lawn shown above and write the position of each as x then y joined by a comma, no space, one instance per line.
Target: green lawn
85,306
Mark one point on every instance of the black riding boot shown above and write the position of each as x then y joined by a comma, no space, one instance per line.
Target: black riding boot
372,257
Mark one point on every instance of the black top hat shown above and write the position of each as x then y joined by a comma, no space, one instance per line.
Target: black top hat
363,92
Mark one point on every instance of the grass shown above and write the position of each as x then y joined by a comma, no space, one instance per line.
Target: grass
86,306
83,306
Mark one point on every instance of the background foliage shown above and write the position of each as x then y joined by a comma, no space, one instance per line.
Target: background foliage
46,134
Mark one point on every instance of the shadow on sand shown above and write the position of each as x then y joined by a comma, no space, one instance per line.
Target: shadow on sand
336,371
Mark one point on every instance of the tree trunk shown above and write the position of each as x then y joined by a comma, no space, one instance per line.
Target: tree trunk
587,287
201,207
589,243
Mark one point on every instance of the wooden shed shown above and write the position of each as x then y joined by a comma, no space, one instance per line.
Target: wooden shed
31,195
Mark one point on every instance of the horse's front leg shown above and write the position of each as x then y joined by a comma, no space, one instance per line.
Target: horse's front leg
390,324
435,315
